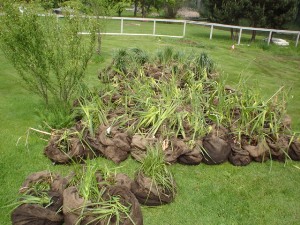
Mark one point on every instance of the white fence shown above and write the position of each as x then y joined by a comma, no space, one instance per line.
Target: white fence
240,28
184,27
185,22
153,33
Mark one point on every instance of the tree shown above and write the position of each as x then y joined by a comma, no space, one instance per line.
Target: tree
298,14
225,11
146,5
50,56
270,13
171,7
280,12
256,14
49,4
98,8
120,5
261,13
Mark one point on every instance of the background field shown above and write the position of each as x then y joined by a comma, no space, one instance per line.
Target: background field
257,194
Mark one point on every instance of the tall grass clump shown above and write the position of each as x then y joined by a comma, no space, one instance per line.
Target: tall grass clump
55,117
96,205
37,193
92,111
154,167
128,60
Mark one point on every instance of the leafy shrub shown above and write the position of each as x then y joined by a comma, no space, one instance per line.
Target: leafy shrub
49,55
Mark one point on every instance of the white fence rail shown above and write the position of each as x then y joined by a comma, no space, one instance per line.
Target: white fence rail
185,22
240,28
153,33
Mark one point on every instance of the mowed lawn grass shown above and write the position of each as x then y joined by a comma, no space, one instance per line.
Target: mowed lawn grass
257,194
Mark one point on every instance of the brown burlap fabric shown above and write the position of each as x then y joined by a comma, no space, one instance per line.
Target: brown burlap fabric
64,148
57,182
238,155
127,199
73,207
139,146
35,214
279,147
120,179
175,149
216,146
149,193
76,212
193,156
294,150
116,144
123,180
260,152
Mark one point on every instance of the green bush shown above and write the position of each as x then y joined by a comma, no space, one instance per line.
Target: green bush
49,55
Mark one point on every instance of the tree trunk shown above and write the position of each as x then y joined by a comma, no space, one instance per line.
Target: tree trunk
231,34
143,8
198,4
99,40
236,34
253,35
170,12
135,7
148,8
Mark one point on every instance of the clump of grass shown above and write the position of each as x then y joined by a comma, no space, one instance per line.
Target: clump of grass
35,193
109,211
139,55
120,60
154,166
54,116
43,200
94,112
204,64
95,205
64,143
129,60
259,117
165,55
264,46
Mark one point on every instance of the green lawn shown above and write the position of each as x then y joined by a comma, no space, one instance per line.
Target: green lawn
257,194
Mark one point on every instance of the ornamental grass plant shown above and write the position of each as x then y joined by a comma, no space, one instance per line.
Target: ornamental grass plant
154,167
95,204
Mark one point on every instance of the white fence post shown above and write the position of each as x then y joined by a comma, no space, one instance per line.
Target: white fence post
211,31
270,36
154,27
184,28
122,25
240,35
297,40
